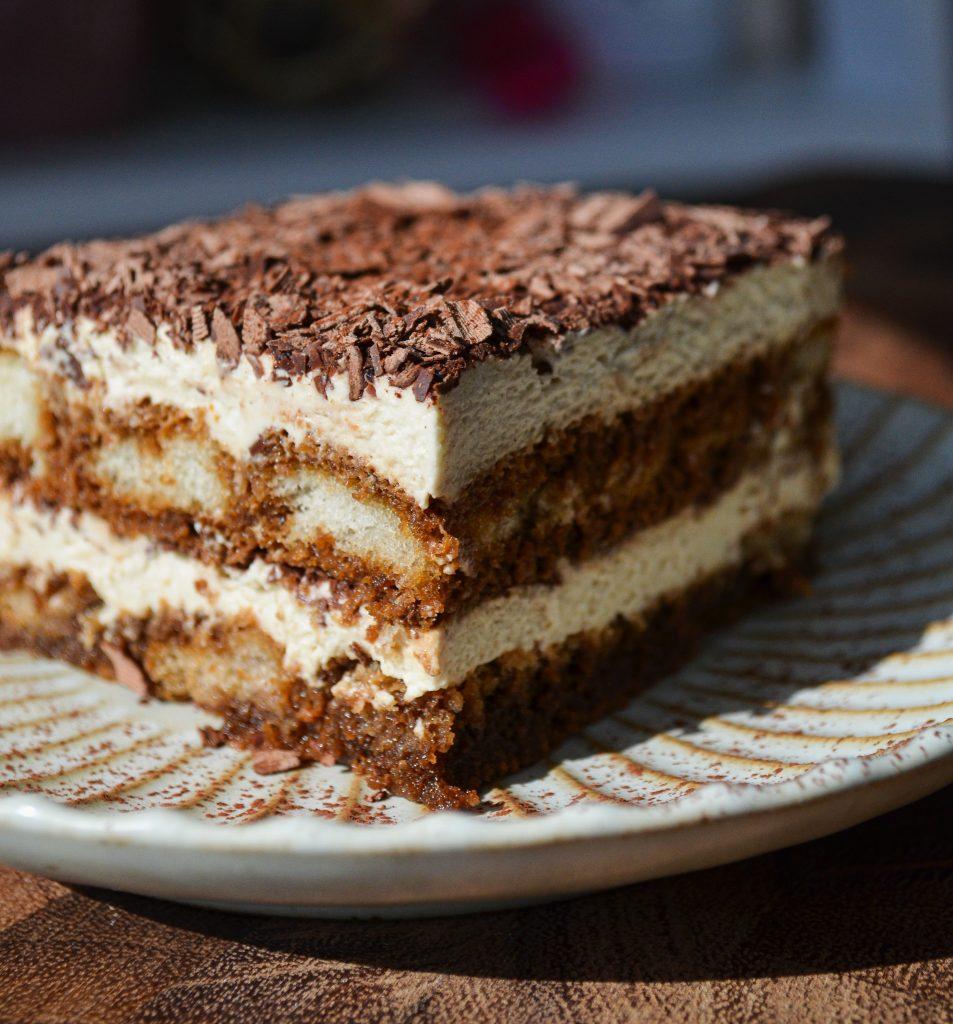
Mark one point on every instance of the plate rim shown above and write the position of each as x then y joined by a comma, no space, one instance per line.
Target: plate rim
31,818
455,831
296,882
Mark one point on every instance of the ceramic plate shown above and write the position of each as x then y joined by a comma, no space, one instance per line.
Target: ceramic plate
806,718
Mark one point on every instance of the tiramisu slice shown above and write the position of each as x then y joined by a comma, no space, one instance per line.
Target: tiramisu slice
414,480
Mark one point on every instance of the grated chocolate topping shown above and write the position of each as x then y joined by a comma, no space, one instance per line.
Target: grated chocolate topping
412,283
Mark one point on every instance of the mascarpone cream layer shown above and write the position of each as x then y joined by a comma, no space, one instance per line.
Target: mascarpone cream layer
19,402
134,578
434,449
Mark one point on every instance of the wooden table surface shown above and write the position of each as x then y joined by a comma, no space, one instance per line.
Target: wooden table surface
855,927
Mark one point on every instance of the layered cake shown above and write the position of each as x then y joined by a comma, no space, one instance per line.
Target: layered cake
410,480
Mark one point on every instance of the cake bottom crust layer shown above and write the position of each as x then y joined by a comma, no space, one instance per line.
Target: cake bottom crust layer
439,749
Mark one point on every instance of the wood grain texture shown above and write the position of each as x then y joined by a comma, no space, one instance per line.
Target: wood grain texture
879,353
855,927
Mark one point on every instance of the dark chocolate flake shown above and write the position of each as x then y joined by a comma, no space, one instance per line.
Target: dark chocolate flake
406,377
199,325
32,279
413,196
140,326
255,330
299,363
471,320
70,367
417,316
228,348
355,374
284,311
374,353
395,361
536,325
422,383
612,213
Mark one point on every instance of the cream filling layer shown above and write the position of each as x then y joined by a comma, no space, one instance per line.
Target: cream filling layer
134,578
434,449
19,401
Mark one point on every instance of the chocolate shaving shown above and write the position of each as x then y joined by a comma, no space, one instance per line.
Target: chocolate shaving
355,374
299,363
412,196
285,311
422,383
140,326
471,320
374,353
71,368
228,348
518,329
199,325
126,671
271,762
394,362
32,279
616,212
255,330
405,377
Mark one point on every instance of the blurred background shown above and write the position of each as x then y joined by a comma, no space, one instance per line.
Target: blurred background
122,115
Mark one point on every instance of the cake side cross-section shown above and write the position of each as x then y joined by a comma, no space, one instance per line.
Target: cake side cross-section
374,472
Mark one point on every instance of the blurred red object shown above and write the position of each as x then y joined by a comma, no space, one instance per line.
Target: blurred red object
520,59
70,65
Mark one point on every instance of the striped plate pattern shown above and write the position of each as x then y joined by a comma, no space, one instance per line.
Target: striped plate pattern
842,690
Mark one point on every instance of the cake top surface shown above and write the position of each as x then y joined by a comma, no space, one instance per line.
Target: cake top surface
410,282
